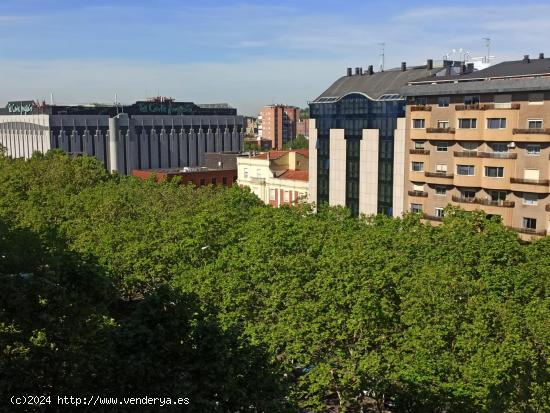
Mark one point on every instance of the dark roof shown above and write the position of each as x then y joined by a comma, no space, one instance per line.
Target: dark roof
504,69
377,84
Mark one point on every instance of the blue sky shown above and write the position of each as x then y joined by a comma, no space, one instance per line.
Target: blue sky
246,53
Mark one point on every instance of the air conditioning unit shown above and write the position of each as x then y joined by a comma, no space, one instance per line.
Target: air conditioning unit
512,145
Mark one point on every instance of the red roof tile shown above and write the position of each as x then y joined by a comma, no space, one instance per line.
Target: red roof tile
295,175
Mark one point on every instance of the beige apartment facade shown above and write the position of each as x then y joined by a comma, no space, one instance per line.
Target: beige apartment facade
277,177
481,140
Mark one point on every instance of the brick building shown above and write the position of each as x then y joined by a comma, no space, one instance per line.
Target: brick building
277,123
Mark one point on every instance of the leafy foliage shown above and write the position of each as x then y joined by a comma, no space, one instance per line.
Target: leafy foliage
175,282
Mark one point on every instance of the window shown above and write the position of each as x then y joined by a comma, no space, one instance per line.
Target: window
202,182
467,170
419,123
441,190
287,197
531,174
443,101
534,123
224,180
443,124
419,144
533,150
272,194
439,212
503,101
467,123
530,198
420,100
416,207
529,223
497,196
417,166
499,147
441,146
496,123
494,171
536,98
468,193
245,172
213,181
471,100
440,167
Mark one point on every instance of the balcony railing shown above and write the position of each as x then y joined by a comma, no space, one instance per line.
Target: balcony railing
476,154
423,194
419,151
440,130
432,217
438,175
482,201
540,232
541,182
531,131
467,154
488,106
257,180
421,108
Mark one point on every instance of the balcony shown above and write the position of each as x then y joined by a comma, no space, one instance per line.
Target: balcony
481,201
440,130
256,180
530,231
467,154
438,175
422,194
541,182
421,108
532,131
488,106
419,151
432,217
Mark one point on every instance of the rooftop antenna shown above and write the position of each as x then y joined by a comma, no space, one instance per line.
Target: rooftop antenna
488,46
382,55
51,99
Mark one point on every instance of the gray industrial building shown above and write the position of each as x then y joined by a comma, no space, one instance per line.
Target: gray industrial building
159,133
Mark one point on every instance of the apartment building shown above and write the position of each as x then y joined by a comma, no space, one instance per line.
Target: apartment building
481,140
278,124
276,177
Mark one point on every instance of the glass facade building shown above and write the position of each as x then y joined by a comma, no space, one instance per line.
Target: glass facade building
353,113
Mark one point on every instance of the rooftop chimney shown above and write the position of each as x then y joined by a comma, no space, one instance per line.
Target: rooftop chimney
526,59
370,70
356,70
462,68
541,55
470,68
349,71
403,66
361,71
430,64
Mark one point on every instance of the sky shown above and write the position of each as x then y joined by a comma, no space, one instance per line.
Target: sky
245,53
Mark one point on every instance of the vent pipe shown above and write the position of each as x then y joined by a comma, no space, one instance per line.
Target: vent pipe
526,59
430,64
403,66
470,68
348,72
357,71
370,70
541,55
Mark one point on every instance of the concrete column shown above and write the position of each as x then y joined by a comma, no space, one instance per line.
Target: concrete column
368,172
337,171
312,184
399,168
113,144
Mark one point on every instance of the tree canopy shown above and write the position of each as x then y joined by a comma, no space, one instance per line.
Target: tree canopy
119,285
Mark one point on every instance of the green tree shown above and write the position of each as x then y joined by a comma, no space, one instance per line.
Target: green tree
300,142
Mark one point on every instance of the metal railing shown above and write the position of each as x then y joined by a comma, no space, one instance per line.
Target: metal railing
438,175
440,130
483,201
541,182
423,194
531,131
419,151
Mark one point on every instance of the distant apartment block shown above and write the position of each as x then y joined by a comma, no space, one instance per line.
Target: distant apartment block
302,127
481,140
277,123
276,177
152,134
